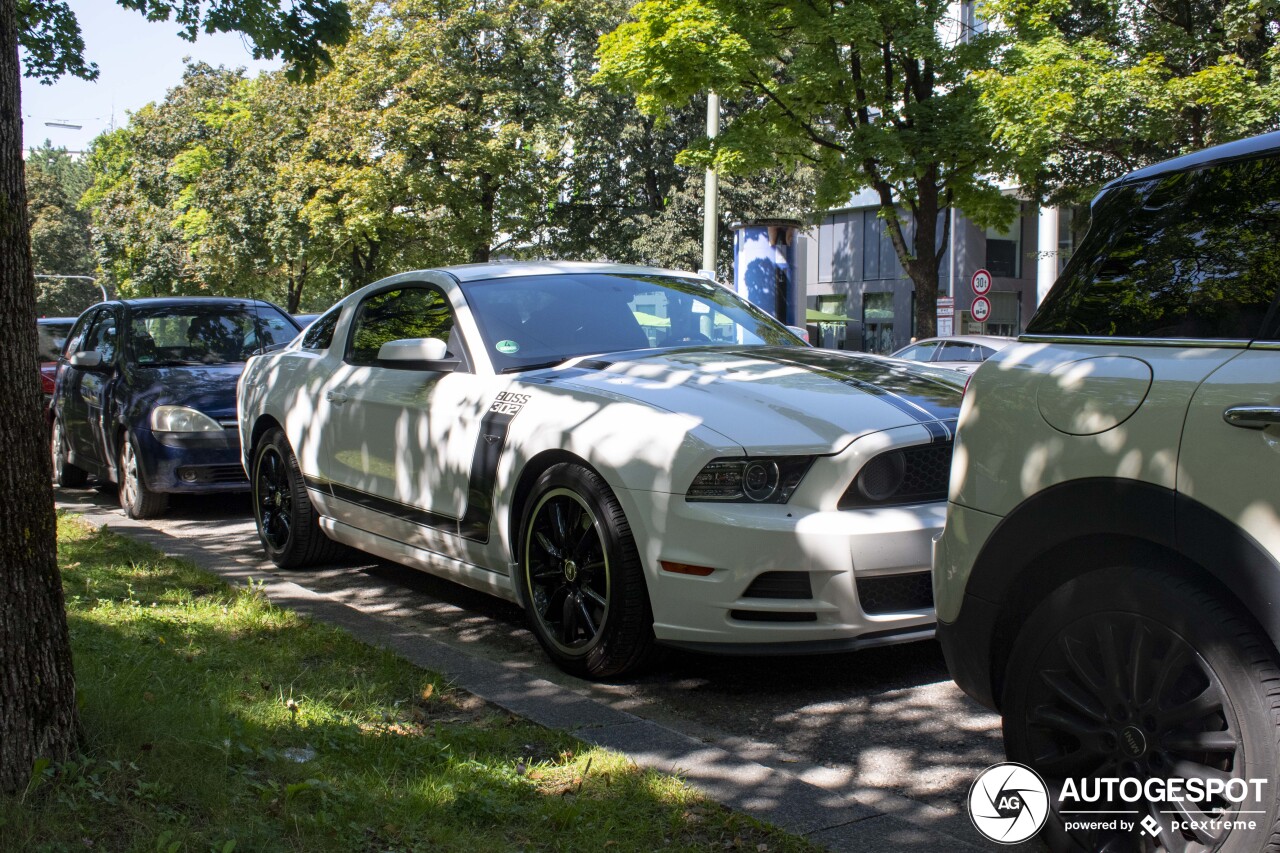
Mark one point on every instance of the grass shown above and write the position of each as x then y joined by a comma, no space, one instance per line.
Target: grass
214,721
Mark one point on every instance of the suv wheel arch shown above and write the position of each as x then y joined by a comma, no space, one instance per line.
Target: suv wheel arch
1075,527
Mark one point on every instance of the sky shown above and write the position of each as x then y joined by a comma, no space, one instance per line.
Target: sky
138,62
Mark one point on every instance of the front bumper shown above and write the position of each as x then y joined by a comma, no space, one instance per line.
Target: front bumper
837,580
191,463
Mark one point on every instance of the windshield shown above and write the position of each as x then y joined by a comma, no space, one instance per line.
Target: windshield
534,321
205,334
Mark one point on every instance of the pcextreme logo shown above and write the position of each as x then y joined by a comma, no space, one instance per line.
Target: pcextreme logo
1008,802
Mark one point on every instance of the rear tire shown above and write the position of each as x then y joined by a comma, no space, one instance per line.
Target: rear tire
581,580
288,524
1132,672
136,499
65,474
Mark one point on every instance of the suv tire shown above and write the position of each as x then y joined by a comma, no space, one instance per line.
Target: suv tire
1134,672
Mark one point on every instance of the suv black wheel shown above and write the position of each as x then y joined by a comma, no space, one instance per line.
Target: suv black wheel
1134,673
64,473
580,576
288,525
136,499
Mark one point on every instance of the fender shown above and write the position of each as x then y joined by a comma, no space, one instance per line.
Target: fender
1080,525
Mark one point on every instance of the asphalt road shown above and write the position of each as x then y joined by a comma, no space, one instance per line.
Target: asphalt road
886,726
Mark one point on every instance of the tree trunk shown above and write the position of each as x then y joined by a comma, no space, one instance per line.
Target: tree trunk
37,688
483,246
920,259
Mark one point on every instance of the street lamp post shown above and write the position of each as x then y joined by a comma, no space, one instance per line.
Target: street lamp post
87,278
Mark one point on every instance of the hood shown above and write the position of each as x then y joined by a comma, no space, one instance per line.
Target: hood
777,399
207,388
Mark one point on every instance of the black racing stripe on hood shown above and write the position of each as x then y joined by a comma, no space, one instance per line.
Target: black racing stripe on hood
923,398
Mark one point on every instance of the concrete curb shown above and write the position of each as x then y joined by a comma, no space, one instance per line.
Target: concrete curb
783,798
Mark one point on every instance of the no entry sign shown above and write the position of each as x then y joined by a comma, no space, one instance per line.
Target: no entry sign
981,282
981,309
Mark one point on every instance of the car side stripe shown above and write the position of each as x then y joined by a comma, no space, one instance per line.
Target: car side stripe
475,522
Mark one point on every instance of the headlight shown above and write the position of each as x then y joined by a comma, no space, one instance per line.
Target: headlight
181,419
766,479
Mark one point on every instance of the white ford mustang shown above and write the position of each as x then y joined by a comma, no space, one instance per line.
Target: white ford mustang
636,456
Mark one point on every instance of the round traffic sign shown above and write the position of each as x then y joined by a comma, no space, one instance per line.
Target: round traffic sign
981,309
981,282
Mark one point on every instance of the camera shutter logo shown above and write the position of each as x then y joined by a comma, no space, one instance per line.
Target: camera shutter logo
1008,802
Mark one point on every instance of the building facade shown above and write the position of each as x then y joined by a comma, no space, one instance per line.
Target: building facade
850,270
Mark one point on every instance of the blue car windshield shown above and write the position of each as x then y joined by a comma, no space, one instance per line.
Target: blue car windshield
535,321
162,336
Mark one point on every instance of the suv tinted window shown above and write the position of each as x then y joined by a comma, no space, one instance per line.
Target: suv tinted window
1188,255
320,333
408,312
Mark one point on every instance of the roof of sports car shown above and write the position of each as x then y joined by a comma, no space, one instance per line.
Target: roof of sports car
511,269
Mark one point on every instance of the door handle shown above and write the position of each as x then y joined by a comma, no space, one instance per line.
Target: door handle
336,397
1252,417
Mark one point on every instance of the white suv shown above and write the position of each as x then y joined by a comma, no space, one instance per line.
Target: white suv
1109,574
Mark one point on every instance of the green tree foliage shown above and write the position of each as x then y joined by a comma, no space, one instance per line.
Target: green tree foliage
1091,90
874,94
60,242
445,132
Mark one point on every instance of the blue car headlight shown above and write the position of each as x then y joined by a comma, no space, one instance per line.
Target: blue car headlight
763,479
181,419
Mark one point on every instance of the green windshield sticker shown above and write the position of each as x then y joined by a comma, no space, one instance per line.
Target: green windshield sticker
507,347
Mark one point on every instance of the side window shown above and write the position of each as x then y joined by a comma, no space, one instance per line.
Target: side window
408,312
919,352
953,351
320,333
75,341
1189,255
103,337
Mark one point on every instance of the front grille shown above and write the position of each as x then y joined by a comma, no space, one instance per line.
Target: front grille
212,474
773,616
780,585
912,475
896,593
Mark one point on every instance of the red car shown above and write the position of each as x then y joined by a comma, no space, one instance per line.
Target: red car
53,333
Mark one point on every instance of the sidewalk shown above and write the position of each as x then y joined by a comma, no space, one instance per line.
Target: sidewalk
796,802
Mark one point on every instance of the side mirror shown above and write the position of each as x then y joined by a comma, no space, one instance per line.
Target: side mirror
800,332
88,360
417,354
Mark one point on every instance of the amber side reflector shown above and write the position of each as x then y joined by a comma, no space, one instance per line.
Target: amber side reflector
685,569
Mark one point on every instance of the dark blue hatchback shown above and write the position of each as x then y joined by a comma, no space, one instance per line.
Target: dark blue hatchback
145,395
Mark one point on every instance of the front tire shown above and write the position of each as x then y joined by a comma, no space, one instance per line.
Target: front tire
288,524
65,474
136,499
581,580
1135,673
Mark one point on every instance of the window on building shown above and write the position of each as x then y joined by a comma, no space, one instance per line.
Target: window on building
1004,250
1006,314
877,322
872,228
833,334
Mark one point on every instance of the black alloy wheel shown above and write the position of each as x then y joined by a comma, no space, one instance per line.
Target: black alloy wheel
568,571
288,524
582,585
273,494
1134,674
